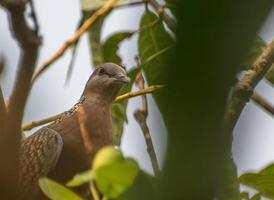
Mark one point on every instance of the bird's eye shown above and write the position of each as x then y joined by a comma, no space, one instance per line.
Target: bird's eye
101,71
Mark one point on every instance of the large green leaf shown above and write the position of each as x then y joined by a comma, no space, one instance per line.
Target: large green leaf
55,191
262,181
113,173
154,45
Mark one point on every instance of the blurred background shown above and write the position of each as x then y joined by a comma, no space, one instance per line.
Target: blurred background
253,144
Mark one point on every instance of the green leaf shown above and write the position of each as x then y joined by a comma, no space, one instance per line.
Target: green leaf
118,113
154,45
95,41
262,181
153,40
249,179
55,191
81,178
111,46
113,173
96,46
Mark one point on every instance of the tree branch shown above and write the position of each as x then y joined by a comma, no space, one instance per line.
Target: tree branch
11,137
128,95
141,117
121,98
263,103
2,112
161,11
86,25
244,88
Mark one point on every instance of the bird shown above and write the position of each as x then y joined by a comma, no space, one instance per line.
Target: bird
68,145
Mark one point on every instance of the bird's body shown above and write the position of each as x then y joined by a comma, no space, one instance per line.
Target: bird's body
90,123
68,145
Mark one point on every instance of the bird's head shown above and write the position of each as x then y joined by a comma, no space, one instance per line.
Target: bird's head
106,81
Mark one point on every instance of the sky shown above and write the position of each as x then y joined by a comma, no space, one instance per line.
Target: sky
253,145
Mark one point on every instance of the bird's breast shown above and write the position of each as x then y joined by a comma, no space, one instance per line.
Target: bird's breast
83,134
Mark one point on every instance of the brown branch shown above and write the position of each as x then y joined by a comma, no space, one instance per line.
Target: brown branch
86,25
34,124
161,11
121,98
141,117
11,137
2,112
263,103
244,88
128,95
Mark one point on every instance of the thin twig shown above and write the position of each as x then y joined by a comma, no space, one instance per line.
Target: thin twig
128,95
121,98
263,103
11,137
141,117
34,124
161,11
86,25
244,88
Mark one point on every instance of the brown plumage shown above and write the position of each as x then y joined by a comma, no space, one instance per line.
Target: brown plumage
68,145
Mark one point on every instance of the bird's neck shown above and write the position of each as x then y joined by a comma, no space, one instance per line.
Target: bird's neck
95,122
102,94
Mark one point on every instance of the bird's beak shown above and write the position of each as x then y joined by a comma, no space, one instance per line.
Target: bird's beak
122,79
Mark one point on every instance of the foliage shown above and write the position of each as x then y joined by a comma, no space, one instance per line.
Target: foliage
112,172
111,45
263,181
56,191
154,45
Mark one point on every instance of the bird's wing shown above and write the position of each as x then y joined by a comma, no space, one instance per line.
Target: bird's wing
39,154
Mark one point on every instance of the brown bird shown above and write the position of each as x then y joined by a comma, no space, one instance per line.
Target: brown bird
68,145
